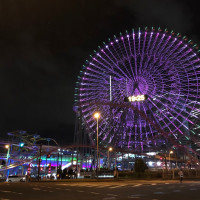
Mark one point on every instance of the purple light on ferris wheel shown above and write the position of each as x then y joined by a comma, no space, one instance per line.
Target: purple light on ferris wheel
160,65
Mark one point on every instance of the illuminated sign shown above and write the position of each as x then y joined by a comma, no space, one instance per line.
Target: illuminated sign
135,98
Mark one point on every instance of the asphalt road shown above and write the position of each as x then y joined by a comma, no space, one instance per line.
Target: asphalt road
122,190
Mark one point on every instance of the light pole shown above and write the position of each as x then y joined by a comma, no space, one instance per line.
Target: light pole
7,146
170,152
97,115
109,149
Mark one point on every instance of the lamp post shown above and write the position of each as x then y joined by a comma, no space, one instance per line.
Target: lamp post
170,152
7,146
97,115
109,149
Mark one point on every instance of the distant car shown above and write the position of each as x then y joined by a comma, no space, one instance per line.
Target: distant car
16,178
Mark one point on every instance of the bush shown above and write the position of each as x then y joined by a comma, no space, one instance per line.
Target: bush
140,166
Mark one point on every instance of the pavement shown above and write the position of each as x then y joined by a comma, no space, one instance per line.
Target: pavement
102,190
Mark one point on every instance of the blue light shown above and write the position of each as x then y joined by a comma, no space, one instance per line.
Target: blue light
21,144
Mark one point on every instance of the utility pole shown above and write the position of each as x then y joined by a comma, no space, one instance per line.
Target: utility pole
57,166
39,162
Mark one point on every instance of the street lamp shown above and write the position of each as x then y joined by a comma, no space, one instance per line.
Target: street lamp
109,149
7,146
170,152
97,115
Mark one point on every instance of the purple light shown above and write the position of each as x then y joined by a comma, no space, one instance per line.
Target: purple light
158,67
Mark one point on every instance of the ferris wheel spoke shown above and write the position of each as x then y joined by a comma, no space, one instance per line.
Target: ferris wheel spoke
165,117
162,48
129,59
160,65
172,110
159,44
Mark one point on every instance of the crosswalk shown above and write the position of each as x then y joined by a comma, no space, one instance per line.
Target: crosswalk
110,186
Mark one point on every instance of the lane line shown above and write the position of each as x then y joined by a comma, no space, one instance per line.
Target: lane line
94,192
114,195
137,185
109,198
158,192
176,191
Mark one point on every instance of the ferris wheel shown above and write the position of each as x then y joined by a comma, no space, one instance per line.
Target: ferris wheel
145,85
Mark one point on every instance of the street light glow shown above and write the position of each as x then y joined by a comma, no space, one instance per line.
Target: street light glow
171,152
96,115
7,146
110,149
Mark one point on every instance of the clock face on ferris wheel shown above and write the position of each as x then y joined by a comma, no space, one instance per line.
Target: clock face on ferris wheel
155,72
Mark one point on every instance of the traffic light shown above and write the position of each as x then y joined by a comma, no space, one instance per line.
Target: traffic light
49,155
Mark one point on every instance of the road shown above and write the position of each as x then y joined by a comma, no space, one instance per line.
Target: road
122,190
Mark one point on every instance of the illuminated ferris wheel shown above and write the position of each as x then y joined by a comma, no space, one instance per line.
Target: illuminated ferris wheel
145,84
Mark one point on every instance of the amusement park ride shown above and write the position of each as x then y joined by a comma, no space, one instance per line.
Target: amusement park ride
145,86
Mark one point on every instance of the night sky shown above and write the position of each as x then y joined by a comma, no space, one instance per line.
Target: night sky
43,45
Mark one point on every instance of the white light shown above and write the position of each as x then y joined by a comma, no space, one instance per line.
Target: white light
136,98
150,163
151,153
159,163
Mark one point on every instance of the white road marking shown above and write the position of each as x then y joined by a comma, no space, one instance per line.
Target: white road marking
67,189
193,189
158,192
5,191
182,186
94,192
116,186
36,189
102,186
166,183
137,195
61,184
19,193
136,185
108,198
176,191
114,195
159,188
153,184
